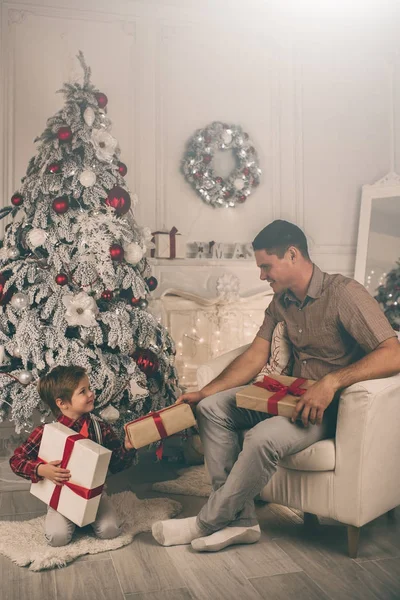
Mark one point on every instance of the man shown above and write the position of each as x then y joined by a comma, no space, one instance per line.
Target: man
339,337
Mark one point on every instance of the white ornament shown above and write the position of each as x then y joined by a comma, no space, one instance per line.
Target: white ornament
19,301
87,178
13,253
104,144
24,377
147,237
16,352
239,184
133,253
110,414
136,390
227,137
36,237
89,116
81,310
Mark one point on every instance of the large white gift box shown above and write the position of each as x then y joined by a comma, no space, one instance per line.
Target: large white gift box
169,244
79,498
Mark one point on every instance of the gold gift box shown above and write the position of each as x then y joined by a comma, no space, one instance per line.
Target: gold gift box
144,431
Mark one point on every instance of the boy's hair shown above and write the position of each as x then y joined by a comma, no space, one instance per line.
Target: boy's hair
278,236
60,382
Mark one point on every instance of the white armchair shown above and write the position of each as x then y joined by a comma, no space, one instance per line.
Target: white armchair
353,478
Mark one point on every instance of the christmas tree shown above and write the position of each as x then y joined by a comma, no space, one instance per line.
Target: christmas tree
389,297
74,280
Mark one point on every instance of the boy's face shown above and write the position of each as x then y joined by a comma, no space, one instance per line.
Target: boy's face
82,400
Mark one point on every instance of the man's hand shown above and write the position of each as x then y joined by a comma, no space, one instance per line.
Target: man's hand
191,398
314,402
53,472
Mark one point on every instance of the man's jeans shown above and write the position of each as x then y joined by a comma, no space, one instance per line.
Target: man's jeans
238,475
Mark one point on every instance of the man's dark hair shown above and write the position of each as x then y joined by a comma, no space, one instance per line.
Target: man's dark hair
278,236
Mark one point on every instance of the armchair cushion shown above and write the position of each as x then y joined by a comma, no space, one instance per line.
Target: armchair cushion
281,358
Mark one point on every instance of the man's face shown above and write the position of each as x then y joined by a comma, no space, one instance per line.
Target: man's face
277,271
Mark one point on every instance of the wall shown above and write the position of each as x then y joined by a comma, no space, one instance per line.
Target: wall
316,91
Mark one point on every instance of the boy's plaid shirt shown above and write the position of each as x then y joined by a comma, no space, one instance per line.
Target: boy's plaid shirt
24,461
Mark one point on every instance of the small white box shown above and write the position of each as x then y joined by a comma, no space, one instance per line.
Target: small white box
88,465
169,244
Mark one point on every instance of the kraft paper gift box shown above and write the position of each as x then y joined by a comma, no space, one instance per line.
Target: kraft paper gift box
159,425
169,244
275,394
79,498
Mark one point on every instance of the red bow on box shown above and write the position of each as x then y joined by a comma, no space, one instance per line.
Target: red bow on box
160,428
272,385
172,242
78,489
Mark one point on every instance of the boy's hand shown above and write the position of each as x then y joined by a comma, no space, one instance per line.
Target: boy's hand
127,444
53,472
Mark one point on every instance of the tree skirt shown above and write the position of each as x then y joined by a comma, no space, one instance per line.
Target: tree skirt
24,542
193,481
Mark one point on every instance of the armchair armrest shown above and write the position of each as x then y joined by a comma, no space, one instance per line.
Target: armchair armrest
209,370
367,451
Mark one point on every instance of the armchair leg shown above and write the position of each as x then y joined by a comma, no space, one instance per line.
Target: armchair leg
353,536
310,520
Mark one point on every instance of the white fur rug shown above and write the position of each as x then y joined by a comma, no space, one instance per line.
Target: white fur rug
24,542
192,481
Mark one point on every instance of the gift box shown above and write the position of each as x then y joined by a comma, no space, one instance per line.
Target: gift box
79,498
168,244
158,425
274,394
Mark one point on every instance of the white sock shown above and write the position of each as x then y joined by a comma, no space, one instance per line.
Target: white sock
227,537
176,531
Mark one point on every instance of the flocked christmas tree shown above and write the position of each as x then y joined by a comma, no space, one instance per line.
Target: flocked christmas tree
74,280
389,296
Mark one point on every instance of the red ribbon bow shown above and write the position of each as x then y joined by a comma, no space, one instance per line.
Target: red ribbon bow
172,242
81,491
272,385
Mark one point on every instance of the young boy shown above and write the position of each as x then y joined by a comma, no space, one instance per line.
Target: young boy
66,391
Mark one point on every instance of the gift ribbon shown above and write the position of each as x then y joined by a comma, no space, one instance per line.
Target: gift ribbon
81,491
172,242
272,385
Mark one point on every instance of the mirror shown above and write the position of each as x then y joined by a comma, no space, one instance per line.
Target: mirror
378,246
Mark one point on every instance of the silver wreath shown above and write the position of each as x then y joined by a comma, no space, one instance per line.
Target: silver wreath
198,170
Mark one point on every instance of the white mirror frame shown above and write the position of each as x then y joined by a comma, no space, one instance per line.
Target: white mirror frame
386,187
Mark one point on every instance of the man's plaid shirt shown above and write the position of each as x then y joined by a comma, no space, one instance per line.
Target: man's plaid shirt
24,461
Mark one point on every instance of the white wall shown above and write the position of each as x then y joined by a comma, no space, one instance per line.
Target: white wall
315,93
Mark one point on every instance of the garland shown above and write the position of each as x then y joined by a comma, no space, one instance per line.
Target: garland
197,165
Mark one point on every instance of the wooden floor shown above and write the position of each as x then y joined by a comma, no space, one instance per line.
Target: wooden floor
289,562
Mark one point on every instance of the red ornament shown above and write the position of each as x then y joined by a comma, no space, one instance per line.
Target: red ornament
119,199
206,158
198,175
61,279
207,139
135,301
218,179
241,198
102,99
246,171
17,200
54,168
227,194
146,361
61,205
122,169
107,295
64,134
152,283
117,252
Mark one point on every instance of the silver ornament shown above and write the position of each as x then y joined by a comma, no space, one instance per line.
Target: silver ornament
19,301
110,414
17,352
13,253
24,377
89,116
143,303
